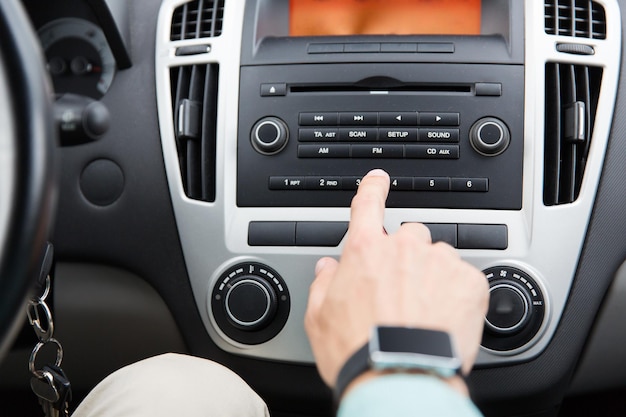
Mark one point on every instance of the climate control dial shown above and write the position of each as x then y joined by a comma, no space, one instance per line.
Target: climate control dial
516,309
250,303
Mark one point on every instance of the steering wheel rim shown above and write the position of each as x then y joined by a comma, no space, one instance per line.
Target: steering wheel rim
26,146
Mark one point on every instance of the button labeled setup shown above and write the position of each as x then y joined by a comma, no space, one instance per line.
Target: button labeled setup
397,135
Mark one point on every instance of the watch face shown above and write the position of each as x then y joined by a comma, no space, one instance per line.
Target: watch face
408,348
426,342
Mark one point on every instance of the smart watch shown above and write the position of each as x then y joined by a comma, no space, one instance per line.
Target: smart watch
401,349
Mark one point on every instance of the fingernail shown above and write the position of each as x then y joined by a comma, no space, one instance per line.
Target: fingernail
320,265
378,173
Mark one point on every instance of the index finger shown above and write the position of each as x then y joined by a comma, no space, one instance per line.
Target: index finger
368,205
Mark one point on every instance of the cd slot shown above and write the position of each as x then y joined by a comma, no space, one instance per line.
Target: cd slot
406,88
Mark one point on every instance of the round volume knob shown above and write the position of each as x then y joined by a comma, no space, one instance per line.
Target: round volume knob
250,303
509,308
489,136
269,135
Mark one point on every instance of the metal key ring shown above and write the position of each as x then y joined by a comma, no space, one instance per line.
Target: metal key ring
35,352
35,320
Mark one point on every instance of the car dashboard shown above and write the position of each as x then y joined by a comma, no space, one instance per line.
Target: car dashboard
238,132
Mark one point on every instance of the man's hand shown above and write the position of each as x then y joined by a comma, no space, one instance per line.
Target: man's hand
401,279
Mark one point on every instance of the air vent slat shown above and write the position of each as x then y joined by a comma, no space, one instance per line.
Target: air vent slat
575,18
571,100
194,100
197,19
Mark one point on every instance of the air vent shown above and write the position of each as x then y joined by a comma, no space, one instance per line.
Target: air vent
576,18
198,19
194,98
571,101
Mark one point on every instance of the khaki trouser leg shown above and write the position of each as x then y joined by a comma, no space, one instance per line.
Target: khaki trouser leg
172,385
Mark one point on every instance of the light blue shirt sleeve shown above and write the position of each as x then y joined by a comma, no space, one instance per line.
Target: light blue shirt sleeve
406,395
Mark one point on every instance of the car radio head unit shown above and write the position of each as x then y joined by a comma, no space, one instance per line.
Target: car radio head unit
317,112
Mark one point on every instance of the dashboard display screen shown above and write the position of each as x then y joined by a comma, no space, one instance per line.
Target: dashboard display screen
384,17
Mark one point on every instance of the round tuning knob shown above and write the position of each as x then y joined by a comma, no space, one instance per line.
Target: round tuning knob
250,303
269,135
489,136
516,309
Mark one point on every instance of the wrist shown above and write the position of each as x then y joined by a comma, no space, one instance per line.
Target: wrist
455,382
402,350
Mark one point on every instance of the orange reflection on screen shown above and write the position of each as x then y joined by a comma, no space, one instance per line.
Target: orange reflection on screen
384,17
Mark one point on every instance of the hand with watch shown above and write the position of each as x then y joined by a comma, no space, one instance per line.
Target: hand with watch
394,302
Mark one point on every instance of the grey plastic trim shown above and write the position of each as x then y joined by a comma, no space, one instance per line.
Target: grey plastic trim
7,157
603,365
543,241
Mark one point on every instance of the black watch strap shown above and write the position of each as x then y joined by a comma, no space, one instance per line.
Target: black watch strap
357,364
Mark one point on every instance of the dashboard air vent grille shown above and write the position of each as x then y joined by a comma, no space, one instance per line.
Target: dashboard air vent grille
571,101
198,19
576,18
194,98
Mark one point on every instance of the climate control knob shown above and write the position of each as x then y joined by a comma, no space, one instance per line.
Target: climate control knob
250,303
489,136
269,135
509,308
516,309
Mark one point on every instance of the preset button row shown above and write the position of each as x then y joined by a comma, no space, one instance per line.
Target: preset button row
397,183
372,134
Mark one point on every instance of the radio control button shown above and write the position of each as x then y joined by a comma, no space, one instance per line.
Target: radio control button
432,151
398,118
351,183
431,184
438,135
358,135
489,136
439,119
269,135
268,90
318,135
323,183
397,135
318,119
286,183
323,151
358,119
377,151
401,184
470,184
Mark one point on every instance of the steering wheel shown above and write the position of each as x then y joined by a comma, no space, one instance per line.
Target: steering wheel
27,138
